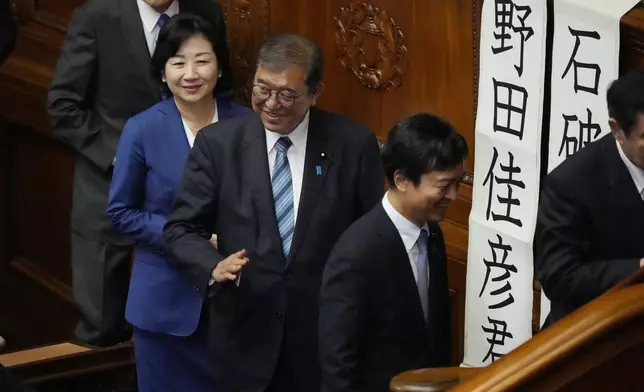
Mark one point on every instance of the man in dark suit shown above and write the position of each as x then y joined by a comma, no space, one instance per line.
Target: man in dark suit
103,77
7,30
591,212
384,301
9,382
278,186
7,42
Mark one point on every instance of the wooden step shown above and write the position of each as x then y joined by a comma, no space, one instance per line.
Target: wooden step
72,367
41,353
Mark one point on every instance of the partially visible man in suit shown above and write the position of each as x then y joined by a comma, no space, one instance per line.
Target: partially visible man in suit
7,42
278,186
7,30
384,301
103,77
591,213
10,383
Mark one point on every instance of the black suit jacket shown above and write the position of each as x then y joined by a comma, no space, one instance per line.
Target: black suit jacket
590,227
103,77
7,30
226,190
371,321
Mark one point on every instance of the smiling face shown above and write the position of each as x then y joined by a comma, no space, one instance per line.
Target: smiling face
428,201
191,74
282,97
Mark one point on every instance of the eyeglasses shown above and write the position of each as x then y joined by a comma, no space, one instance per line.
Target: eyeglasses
285,98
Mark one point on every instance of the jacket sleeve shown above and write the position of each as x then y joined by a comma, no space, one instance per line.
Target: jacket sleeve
194,213
70,93
567,270
371,183
127,192
342,320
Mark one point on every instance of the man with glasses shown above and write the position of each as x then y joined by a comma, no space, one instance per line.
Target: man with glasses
279,187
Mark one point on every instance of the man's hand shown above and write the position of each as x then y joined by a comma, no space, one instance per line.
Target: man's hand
230,267
641,262
213,240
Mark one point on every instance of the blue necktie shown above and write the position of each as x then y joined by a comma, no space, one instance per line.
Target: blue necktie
422,266
163,19
283,194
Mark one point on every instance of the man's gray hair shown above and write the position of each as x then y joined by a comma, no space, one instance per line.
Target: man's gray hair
279,52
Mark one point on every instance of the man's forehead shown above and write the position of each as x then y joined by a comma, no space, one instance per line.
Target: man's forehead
291,77
448,175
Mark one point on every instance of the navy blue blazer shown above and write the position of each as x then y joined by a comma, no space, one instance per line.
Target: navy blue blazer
150,159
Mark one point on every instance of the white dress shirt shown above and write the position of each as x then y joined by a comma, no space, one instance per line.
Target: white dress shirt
150,17
409,234
636,173
189,134
296,155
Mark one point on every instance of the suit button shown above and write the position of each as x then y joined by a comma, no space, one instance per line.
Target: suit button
279,314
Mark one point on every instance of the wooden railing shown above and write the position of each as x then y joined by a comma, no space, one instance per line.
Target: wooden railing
599,347
71,367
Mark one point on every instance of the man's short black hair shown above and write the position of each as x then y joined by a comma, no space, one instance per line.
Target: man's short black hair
420,144
625,98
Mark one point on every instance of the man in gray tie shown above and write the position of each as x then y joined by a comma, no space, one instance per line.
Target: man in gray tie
384,302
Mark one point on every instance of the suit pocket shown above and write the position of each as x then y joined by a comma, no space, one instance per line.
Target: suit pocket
159,190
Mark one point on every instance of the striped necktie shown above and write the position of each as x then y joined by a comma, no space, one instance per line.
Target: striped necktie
282,183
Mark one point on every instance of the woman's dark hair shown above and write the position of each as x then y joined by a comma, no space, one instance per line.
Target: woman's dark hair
174,33
420,144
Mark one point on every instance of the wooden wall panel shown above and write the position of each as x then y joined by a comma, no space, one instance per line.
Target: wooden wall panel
36,305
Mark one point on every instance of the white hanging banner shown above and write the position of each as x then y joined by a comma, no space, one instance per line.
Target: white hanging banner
585,60
498,304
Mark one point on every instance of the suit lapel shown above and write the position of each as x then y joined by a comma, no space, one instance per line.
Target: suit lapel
318,161
224,109
175,128
257,177
132,29
402,275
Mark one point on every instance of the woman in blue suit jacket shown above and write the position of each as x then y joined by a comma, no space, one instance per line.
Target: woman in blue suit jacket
170,336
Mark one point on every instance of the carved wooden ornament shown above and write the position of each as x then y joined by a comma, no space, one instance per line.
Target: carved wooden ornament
370,45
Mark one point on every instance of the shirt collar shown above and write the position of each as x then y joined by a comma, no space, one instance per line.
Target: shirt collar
636,172
298,136
150,17
408,231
